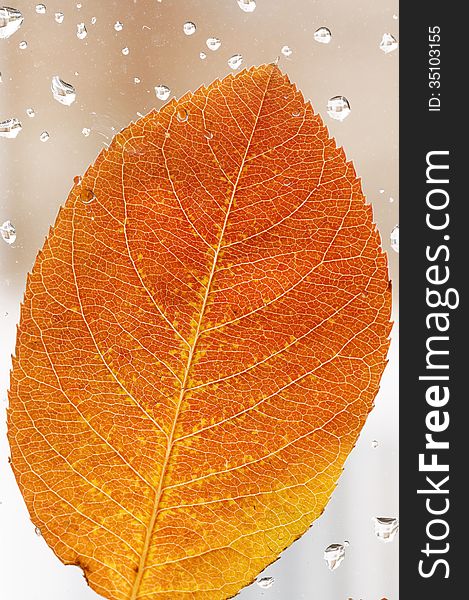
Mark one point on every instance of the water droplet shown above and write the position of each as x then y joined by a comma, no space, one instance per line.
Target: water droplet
391,199
381,191
8,232
125,51
37,531
137,80
209,135
77,179
10,128
334,555
118,26
286,51
296,113
30,112
395,17
235,61
167,134
202,56
323,35
63,92
346,543
182,115
86,131
79,5
87,196
265,582
23,45
9,460
44,136
394,237
338,108
213,43
41,9
374,443
247,5
81,31
388,43
59,17
93,20
10,21
162,92
189,28
386,528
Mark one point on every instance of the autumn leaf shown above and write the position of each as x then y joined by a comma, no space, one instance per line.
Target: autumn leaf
201,340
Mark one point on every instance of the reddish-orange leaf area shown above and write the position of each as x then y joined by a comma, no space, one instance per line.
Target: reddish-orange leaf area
202,338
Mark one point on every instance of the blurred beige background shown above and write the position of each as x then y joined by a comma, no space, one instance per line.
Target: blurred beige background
36,177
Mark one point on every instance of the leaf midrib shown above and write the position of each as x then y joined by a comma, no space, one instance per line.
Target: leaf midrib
170,444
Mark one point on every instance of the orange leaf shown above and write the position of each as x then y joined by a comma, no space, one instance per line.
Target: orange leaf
202,338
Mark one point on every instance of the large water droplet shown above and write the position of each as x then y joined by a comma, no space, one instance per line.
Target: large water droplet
41,9
189,28
386,528
334,555
286,51
265,582
118,26
388,43
247,5
338,108
162,92
394,237
44,136
59,17
235,61
81,31
30,112
63,92
323,35
10,21
10,128
8,232
213,43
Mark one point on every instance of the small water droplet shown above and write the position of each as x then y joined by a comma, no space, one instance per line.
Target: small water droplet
162,92
62,91
30,112
182,115
59,17
386,528
334,555
388,43
395,17
323,35
10,21
346,543
381,191
394,237
81,31
41,9
8,233
37,531
374,443
202,56
79,5
86,131
137,80
93,20
338,108
391,199
209,135
235,61
247,5
296,113
23,45
10,128
286,51
167,134
118,26
213,43
87,196
44,136
189,28
125,51
265,582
